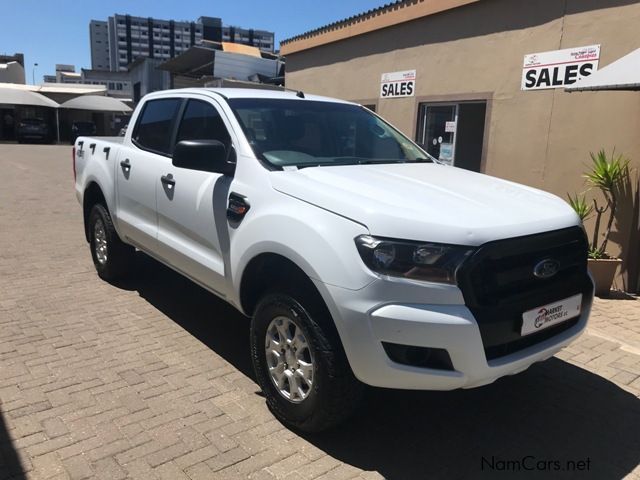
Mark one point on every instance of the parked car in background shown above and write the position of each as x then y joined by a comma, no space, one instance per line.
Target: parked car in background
34,130
82,128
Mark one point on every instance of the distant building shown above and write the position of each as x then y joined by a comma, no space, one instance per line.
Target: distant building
122,39
64,74
118,84
213,61
12,68
99,38
146,77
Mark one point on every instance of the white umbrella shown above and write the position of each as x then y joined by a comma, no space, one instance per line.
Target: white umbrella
15,96
96,103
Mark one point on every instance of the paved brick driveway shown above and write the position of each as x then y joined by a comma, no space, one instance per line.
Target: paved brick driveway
151,379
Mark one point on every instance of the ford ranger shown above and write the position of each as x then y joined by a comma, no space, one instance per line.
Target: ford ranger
360,259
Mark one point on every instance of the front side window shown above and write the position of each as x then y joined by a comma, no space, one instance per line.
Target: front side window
304,133
153,130
201,121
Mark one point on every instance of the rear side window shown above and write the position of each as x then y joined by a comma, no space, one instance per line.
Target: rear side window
154,128
201,121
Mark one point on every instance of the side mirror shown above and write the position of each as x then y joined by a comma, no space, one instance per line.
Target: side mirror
204,155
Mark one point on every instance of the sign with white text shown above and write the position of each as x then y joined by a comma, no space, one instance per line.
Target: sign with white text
559,68
398,84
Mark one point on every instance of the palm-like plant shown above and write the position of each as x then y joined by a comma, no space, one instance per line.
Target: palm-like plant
607,174
579,203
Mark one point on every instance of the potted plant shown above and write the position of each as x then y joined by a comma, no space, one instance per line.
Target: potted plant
608,174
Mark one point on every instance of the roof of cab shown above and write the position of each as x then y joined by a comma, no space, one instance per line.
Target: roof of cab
248,93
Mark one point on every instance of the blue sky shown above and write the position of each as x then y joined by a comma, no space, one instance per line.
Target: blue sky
50,32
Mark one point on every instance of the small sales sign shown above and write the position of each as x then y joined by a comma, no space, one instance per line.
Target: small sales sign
398,84
559,68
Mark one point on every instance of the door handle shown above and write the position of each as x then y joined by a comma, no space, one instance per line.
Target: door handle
168,180
125,164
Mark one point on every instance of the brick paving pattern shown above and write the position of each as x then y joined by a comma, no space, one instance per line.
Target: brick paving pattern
151,379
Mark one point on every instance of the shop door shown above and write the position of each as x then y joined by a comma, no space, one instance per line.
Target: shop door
453,133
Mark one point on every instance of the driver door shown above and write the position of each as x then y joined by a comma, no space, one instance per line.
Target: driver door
192,204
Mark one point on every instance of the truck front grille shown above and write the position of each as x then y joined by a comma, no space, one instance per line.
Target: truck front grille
498,285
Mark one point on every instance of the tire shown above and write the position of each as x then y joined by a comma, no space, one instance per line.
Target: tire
334,393
115,258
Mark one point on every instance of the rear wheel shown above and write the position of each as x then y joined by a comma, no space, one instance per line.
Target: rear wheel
300,364
111,256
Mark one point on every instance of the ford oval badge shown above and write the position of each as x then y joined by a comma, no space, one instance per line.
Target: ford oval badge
546,268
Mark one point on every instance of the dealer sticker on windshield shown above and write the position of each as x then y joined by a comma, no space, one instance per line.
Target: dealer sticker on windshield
550,314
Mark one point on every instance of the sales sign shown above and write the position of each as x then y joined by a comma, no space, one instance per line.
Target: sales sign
559,68
398,84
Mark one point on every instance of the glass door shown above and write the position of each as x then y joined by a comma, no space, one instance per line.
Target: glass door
437,130
453,132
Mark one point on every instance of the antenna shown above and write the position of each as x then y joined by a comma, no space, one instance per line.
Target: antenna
300,94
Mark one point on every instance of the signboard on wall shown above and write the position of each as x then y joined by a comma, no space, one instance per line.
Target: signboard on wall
398,84
559,68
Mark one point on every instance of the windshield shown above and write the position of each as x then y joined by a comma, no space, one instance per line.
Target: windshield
310,133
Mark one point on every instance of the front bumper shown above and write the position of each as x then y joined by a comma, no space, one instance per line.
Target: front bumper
415,318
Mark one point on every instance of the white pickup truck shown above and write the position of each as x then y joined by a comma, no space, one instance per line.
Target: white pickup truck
359,259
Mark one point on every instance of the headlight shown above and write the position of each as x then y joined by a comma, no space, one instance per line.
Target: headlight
430,262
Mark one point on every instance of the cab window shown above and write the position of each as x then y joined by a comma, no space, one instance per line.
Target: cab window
153,130
201,121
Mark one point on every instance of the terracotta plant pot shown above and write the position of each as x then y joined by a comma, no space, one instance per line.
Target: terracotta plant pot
603,270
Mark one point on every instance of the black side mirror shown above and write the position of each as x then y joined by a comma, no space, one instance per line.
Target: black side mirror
204,155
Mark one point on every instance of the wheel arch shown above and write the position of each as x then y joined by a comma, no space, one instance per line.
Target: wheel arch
91,196
268,269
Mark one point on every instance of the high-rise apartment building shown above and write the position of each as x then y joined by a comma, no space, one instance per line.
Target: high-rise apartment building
99,37
123,38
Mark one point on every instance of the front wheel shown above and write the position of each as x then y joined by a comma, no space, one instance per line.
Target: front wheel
111,256
299,363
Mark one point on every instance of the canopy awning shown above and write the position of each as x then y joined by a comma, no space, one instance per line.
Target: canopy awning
96,103
623,74
15,96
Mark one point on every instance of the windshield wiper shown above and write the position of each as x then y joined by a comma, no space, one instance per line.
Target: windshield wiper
341,161
421,160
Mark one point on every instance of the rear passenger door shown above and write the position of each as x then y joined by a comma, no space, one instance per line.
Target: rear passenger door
137,170
192,224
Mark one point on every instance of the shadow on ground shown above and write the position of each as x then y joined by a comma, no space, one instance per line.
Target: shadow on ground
553,414
10,464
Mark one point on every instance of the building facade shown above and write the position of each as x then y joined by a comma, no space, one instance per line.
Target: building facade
99,39
481,84
12,68
118,84
64,74
122,38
